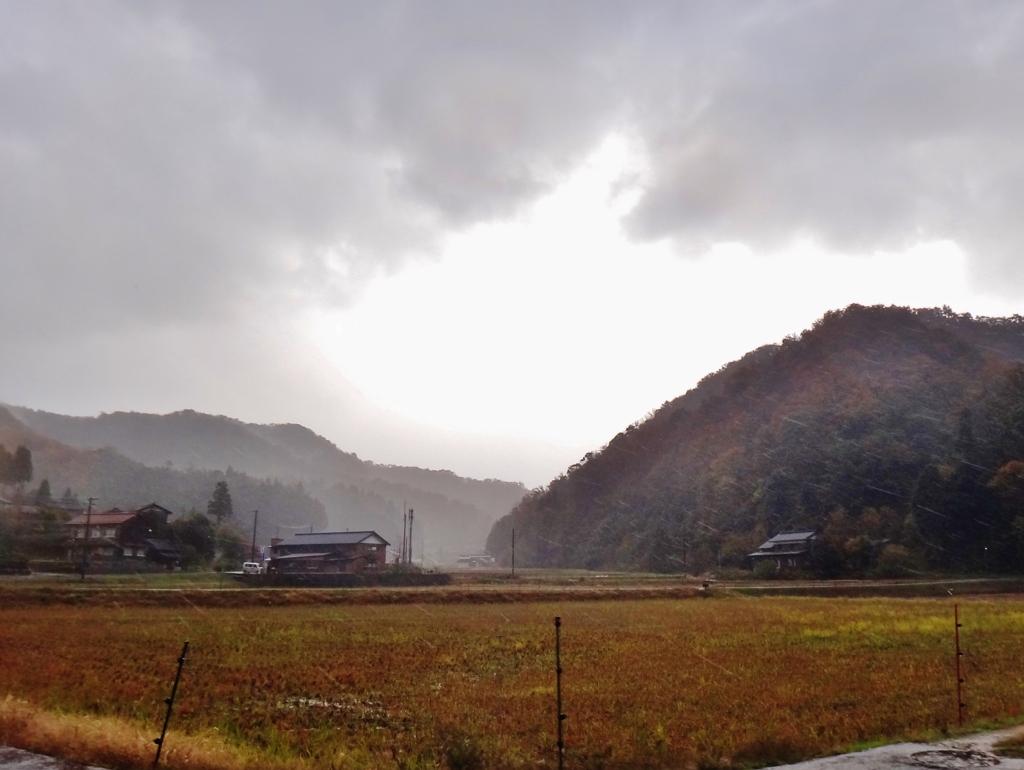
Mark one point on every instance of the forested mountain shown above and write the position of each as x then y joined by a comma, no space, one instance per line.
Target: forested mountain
452,513
897,433
116,481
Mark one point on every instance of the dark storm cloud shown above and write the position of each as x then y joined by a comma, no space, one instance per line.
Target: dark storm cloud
862,125
178,163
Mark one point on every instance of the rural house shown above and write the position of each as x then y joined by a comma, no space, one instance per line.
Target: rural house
789,550
329,553
122,535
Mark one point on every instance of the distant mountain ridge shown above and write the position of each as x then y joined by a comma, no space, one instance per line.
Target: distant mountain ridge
116,481
867,427
455,512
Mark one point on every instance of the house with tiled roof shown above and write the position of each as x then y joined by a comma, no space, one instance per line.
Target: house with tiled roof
117,535
358,552
788,550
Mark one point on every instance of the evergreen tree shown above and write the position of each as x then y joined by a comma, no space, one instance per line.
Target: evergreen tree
219,508
6,459
21,466
196,539
43,494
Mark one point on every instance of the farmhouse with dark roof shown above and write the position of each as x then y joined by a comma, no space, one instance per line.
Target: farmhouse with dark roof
789,550
329,553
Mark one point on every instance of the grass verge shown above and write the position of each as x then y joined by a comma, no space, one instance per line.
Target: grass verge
1012,746
118,744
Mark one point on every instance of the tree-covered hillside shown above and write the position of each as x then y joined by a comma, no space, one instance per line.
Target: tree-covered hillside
116,481
898,434
454,513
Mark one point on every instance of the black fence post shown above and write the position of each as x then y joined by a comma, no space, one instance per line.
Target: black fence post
558,689
959,671
170,704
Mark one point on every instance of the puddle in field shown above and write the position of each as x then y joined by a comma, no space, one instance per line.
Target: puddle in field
363,709
954,759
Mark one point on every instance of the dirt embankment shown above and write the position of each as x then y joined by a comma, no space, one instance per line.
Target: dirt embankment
256,597
492,592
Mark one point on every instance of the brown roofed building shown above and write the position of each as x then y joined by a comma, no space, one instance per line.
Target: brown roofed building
117,535
329,553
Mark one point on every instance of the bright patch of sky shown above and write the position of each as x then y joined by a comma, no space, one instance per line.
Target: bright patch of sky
483,236
555,326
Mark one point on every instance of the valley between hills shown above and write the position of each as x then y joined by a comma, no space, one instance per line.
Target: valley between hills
895,435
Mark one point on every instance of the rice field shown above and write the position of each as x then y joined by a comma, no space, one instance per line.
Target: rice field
716,682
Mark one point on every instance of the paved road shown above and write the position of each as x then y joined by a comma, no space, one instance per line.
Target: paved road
974,751
16,759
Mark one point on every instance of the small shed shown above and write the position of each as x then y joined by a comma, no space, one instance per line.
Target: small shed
163,552
789,550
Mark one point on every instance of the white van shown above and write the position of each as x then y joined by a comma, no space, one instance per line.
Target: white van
252,568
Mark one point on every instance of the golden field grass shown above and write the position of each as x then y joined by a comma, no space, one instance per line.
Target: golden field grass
655,683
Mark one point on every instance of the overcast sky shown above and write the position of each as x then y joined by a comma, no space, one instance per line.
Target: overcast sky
483,236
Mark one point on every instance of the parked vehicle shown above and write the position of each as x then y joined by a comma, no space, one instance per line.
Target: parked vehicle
252,568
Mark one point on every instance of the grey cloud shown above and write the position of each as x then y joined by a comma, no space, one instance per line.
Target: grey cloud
861,125
183,162
478,106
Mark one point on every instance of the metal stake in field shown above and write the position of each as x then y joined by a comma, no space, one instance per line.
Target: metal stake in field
170,704
558,688
959,673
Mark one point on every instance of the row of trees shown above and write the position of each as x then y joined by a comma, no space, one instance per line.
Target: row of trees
209,539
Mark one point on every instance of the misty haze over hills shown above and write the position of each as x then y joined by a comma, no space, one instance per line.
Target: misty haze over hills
453,514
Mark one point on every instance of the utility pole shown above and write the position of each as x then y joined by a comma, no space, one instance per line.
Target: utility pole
405,531
684,547
85,542
410,537
255,518
513,551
